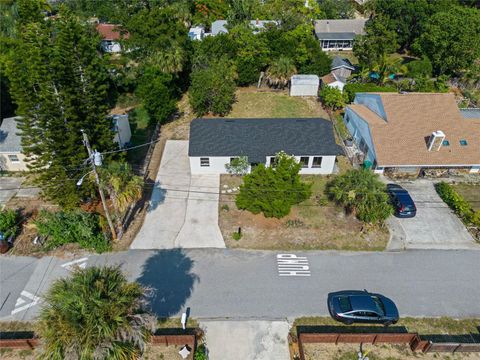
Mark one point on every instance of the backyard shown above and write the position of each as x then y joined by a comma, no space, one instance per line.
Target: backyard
316,223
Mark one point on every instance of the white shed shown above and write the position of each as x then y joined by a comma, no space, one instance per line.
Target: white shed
304,85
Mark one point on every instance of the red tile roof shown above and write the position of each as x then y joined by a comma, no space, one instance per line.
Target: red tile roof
111,32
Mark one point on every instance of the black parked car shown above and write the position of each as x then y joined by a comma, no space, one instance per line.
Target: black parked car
354,306
402,201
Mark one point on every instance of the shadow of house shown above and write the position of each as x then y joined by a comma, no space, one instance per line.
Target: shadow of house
168,274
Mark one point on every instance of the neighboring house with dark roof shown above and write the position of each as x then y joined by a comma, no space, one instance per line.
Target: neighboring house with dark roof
220,26
338,34
214,143
341,67
408,132
11,157
111,35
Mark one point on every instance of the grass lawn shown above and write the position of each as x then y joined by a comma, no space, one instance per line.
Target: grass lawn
422,326
471,193
260,104
314,224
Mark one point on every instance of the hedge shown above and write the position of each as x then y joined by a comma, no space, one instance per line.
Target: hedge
458,204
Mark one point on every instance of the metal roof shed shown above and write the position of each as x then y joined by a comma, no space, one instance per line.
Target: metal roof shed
304,85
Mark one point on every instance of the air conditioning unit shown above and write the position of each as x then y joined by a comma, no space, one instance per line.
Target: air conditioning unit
435,141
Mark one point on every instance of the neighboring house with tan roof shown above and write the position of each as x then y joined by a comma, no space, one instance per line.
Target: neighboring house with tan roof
408,132
111,34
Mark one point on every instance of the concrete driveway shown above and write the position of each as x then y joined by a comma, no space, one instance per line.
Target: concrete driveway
434,227
241,340
183,210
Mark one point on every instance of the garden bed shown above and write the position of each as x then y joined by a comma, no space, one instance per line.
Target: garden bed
471,193
314,224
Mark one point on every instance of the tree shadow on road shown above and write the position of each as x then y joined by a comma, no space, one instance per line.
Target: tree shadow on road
168,274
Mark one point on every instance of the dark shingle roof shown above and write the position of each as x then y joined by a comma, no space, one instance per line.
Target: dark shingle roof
259,138
338,62
10,141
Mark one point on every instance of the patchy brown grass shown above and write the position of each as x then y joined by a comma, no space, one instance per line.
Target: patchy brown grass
314,224
376,352
471,193
254,103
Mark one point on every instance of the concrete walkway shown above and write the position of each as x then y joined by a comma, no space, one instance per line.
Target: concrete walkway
180,214
241,340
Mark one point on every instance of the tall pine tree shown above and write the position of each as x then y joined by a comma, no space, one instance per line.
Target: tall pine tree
60,84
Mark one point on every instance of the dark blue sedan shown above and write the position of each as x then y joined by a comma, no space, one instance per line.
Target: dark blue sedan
354,306
401,201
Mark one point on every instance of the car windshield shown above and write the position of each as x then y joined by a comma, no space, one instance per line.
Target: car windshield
344,302
379,305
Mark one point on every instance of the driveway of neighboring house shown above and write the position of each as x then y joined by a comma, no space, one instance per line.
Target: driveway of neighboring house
241,340
183,210
8,188
434,227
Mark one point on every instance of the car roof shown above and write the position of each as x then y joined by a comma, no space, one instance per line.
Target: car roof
362,303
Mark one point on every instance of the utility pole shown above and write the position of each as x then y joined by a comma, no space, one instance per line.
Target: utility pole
91,156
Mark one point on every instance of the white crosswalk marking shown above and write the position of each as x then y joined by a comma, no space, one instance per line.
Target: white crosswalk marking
23,304
292,265
81,263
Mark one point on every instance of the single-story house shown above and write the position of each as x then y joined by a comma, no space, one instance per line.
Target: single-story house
220,26
334,81
341,67
214,143
338,34
411,132
111,35
196,32
11,156
304,85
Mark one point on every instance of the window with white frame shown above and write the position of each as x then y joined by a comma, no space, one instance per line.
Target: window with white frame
204,162
13,158
304,161
317,162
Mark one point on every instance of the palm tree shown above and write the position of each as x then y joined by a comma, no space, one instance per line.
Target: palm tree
95,314
122,185
169,60
280,71
388,66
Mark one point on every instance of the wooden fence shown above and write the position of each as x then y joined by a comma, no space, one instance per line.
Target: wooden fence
10,341
412,339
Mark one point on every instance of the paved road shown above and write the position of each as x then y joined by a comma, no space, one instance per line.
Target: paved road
239,284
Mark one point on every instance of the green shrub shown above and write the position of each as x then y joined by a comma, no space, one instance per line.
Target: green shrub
201,353
8,223
332,97
458,204
361,193
352,89
420,68
66,227
225,207
273,190
236,235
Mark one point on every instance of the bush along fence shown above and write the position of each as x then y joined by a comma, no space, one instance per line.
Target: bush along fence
413,340
28,340
460,206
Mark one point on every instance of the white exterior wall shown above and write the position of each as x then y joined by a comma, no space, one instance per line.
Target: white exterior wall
112,47
328,165
304,90
7,165
217,165
123,134
337,84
